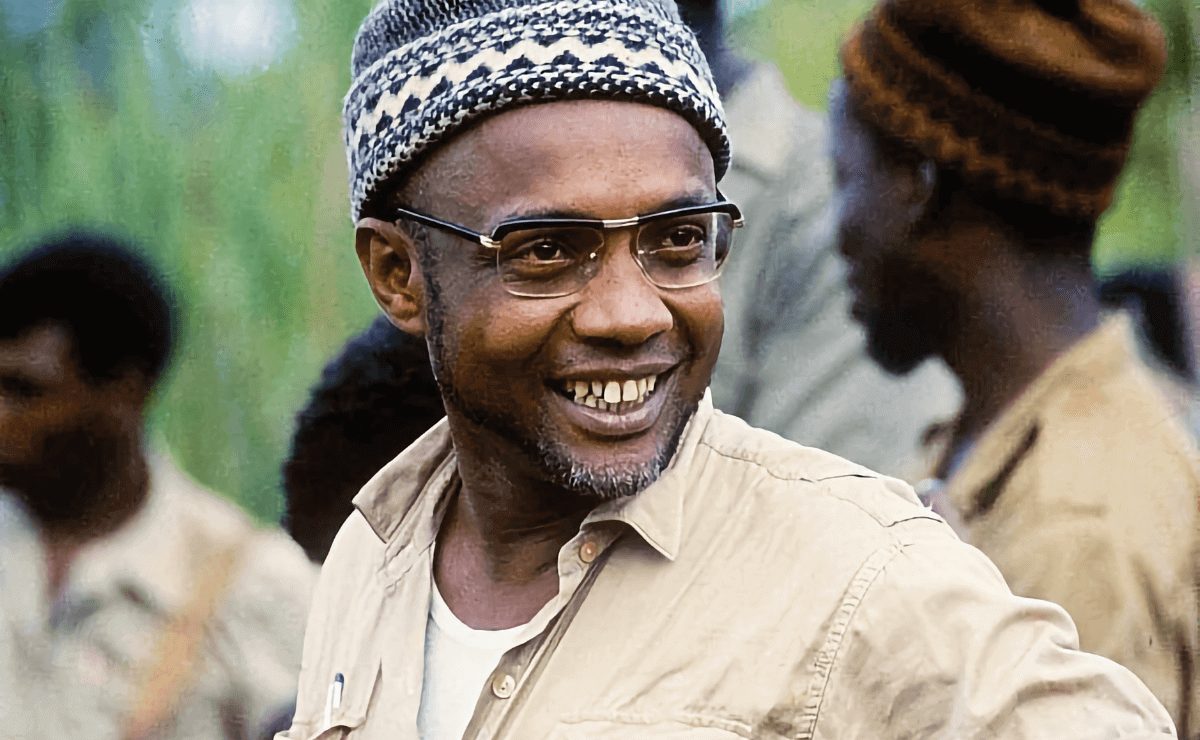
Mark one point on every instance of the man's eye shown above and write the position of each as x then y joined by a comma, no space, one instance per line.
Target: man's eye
683,236
541,251
18,388
544,250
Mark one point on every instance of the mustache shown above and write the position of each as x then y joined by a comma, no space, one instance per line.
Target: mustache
667,350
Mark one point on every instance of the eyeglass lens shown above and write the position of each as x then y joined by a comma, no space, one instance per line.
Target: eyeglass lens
678,252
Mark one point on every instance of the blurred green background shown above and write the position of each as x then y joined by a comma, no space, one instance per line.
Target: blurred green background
208,130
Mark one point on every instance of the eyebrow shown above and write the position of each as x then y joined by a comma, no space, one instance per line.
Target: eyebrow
682,201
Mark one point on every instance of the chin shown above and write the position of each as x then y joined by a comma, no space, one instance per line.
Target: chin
899,341
908,319
587,471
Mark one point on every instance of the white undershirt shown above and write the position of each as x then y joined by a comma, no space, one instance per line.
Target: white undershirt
458,663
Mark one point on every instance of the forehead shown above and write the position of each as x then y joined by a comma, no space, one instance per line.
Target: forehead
603,159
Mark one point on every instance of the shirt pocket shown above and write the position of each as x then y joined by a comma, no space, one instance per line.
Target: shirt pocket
633,730
351,713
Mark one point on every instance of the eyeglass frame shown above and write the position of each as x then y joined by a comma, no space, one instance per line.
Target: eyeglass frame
504,228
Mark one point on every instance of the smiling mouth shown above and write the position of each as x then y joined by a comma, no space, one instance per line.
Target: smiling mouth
614,396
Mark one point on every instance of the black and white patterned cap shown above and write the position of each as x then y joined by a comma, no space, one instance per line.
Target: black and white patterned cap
425,69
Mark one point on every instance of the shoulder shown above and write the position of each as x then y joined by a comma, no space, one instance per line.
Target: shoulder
1099,441
272,571
351,573
205,517
778,482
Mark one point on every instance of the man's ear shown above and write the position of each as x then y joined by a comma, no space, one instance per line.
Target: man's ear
389,261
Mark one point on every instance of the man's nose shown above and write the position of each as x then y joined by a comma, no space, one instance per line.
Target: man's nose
620,304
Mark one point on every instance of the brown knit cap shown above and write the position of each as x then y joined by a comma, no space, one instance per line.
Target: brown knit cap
1033,99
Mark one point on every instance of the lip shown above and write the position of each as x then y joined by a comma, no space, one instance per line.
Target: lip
605,424
610,371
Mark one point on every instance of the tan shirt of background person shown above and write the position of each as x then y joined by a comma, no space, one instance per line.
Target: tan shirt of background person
124,611
1084,493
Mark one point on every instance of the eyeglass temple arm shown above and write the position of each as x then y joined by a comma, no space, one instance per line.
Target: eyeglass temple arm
734,211
471,236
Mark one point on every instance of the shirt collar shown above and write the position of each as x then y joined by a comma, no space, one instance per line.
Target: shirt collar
401,501
1091,361
151,558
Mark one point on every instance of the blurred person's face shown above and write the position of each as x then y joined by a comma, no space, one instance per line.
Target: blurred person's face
897,296
512,365
57,427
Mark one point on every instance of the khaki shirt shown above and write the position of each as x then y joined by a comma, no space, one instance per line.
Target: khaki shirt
757,589
793,360
1084,492
90,650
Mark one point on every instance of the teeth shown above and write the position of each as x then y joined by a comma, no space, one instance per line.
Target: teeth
608,395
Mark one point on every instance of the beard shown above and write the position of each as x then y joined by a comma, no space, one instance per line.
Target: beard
912,319
553,458
64,490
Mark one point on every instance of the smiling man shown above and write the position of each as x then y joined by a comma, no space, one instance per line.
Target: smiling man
584,548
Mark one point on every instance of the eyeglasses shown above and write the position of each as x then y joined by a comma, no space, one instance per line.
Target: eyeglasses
554,257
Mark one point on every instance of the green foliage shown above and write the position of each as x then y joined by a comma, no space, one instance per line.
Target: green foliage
236,186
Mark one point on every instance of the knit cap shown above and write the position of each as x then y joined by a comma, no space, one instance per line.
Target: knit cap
425,69
1032,99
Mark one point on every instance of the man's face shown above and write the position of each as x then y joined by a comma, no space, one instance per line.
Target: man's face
54,423
511,365
898,299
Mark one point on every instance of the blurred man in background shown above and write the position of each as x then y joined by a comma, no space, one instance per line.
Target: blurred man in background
976,145
793,361
142,605
373,400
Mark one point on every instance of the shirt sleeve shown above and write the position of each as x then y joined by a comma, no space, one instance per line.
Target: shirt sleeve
939,647
262,629
1132,604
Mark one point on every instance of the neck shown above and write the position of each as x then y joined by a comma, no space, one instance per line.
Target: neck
109,494
1013,325
497,552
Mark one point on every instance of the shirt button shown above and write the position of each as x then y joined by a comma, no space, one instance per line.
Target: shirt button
503,685
587,552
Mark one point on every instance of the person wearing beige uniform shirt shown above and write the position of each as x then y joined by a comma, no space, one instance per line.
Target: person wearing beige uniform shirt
1084,492
793,361
134,604
584,547
973,161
